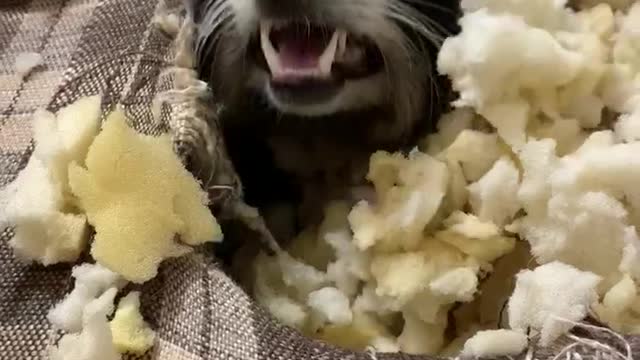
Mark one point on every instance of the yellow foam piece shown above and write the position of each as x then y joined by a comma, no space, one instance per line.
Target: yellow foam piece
129,331
138,196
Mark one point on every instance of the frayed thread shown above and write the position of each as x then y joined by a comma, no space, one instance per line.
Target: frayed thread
166,20
193,123
599,348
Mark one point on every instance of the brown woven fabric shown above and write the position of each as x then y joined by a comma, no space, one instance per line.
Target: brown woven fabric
111,47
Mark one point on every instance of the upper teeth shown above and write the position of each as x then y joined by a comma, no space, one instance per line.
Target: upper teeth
328,56
334,50
267,48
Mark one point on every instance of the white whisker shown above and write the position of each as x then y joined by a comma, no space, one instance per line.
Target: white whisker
419,23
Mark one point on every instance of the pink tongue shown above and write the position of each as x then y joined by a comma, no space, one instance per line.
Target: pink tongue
299,52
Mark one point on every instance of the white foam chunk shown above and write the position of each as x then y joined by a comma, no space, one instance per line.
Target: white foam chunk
493,343
91,282
418,337
66,137
460,284
95,341
37,202
464,151
547,14
332,305
550,299
498,55
403,210
302,277
385,345
627,128
286,310
43,233
494,197
593,221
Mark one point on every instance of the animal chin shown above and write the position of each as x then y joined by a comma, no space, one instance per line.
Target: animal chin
309,63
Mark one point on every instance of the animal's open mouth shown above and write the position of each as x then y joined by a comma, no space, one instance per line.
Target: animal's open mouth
299,54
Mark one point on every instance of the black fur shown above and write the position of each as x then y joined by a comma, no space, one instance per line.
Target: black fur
250,123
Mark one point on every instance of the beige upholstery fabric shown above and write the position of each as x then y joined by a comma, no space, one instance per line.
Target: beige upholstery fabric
111,47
